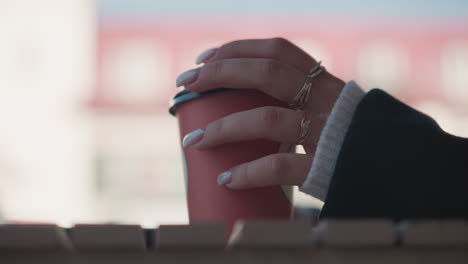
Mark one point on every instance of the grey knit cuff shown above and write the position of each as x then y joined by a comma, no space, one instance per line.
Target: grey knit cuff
330,142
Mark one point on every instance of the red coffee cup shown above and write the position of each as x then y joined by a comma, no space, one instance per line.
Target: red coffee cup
206,200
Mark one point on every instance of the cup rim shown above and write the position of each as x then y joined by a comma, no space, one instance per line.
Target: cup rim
186,95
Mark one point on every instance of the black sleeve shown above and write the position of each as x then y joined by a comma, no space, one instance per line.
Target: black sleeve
398,163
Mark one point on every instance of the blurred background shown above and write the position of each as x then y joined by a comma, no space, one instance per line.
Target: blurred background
85,135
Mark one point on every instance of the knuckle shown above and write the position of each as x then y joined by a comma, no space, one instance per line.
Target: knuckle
270,117
246,176
278,45
216,70
271,71
271,67
280,167
216,128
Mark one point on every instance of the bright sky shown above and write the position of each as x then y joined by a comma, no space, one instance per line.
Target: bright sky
369,8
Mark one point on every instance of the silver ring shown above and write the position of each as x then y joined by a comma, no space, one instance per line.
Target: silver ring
302,96
305,130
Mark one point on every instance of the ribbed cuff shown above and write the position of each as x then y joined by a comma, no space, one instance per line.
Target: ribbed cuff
331,140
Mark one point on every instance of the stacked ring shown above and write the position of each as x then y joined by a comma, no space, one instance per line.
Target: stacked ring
302,96
305,129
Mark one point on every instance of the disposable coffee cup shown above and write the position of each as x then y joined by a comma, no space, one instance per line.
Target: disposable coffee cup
206,200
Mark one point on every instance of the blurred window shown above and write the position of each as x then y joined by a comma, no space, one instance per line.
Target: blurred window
382,65
138,169
454,68
135,69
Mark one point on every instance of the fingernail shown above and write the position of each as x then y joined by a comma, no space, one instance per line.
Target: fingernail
193,137
186,77
224,178
205,55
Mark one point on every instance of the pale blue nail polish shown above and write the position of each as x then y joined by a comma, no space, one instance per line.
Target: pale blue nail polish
193,137
224,178
186,77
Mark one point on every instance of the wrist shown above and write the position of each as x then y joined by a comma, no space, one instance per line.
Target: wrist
325,92
331,140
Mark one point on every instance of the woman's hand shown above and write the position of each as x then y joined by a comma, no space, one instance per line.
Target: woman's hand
278,68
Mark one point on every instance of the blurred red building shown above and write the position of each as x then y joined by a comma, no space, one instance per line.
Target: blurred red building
139,60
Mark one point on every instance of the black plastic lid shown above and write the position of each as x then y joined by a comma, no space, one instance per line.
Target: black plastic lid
186,95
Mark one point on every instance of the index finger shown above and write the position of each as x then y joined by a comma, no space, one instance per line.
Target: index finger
279,49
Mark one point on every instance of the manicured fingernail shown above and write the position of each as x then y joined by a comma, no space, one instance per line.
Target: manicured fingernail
193,137
186,77
224,178
205,55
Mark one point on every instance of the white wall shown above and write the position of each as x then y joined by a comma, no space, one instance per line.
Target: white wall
46,51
